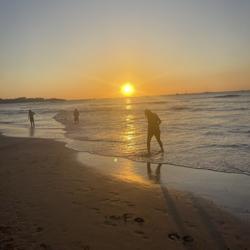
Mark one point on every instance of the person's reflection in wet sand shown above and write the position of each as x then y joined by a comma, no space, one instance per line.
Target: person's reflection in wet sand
156,177
32,131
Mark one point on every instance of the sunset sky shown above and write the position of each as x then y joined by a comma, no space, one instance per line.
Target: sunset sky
89,48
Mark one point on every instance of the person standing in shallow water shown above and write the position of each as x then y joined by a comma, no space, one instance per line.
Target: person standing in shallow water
31,118
76,116
153,128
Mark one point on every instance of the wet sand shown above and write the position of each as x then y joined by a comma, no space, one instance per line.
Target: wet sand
49,200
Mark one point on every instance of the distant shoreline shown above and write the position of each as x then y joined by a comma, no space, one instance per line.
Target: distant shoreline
41,99
25,99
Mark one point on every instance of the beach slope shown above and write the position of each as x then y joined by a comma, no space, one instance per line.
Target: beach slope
48,200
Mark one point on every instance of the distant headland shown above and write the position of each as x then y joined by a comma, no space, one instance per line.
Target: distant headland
25,99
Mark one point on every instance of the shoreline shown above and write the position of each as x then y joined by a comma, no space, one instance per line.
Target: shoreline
230,195
227,190
154,162
10,100
52,201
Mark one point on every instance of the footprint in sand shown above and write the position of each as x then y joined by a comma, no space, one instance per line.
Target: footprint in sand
128,203
5,229
139,232
115,193
185,239
126,217
39,229
95,208
110,223
174,236
77,203
142,234
114,200
45,246
139,220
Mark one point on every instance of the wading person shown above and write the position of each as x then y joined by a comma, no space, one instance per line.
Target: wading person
76,115
31,118
153,128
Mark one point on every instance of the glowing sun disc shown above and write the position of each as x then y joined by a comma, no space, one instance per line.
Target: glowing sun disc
127,89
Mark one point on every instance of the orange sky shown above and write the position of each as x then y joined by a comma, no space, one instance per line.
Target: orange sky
88,49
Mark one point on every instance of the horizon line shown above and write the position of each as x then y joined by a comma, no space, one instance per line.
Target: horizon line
122,97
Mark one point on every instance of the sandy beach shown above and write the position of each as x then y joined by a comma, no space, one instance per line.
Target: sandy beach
51,201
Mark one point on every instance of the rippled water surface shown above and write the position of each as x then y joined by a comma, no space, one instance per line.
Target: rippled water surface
210,131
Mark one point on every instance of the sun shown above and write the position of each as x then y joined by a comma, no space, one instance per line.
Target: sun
127,89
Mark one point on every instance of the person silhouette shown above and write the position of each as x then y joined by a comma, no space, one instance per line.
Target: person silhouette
153,128
31,118
76,115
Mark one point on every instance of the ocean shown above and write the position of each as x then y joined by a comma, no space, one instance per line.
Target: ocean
205,131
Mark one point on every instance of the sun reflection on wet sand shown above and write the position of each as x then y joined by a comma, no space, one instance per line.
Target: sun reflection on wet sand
127,173
122,169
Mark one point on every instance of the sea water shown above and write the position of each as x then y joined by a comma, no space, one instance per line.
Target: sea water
205,131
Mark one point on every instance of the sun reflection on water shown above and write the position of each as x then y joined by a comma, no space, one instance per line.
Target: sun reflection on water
129,133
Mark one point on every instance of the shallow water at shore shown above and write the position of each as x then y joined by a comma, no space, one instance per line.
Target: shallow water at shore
208,131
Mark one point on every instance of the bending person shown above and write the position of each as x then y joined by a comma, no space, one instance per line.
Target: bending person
153,128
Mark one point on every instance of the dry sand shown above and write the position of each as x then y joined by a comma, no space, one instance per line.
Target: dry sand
48,200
